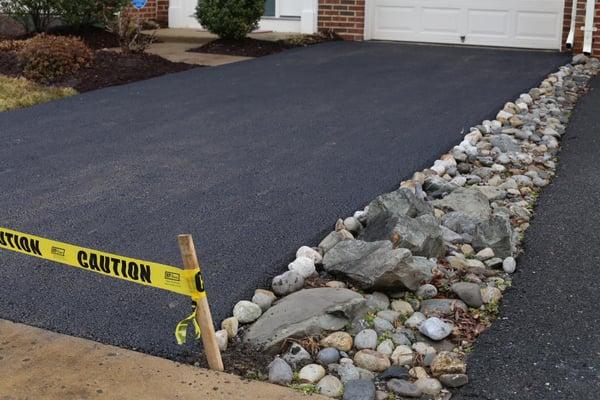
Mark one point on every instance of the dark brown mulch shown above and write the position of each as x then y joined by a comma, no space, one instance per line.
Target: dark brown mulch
250,47
110,68
95,38
107,69
246,48
239,359
9,65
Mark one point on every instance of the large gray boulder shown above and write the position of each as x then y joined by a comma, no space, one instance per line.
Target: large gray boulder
400,202
460,222
377,265
437,187
469,201
495,233
307,312
505,143
421,235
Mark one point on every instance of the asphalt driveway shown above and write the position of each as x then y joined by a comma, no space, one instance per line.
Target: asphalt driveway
254,159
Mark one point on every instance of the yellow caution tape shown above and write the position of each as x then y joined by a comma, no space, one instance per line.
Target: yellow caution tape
182,326
141,272
173,279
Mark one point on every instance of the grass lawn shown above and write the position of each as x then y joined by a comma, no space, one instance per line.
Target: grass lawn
19,92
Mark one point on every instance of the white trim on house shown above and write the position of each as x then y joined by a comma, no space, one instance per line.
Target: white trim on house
182,15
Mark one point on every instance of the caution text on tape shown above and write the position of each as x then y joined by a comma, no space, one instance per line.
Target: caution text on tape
166,277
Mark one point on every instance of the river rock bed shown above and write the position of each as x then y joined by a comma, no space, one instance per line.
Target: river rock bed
389,304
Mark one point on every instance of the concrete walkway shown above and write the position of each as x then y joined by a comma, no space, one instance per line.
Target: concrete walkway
174,43
37,364
255,159
546,343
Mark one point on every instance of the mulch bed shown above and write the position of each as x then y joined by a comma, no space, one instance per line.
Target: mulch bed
107,69
245,48
94,38
250,47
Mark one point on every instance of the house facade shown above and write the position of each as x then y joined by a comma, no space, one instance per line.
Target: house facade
537,24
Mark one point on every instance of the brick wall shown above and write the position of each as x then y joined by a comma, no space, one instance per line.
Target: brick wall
156,10
344,17
578,42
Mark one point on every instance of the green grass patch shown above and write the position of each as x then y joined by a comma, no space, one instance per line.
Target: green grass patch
20,93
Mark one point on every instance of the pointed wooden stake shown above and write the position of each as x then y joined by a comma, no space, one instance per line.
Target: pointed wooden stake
203,315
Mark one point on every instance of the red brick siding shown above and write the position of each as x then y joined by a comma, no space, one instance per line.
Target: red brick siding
578,42
156,10
344,17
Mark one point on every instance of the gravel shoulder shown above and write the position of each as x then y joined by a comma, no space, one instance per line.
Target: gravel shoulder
545,345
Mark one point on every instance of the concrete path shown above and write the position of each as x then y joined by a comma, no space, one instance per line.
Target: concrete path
37,364
546,344
255,159
178,52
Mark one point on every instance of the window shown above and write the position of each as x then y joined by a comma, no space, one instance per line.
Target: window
270,8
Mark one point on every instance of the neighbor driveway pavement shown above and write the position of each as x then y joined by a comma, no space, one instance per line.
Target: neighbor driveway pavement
254,159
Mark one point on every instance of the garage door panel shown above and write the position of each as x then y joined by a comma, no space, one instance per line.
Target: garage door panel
511,23
488,23
441,20
536,25
401,19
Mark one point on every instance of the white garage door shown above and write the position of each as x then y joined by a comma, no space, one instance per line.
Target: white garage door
513,23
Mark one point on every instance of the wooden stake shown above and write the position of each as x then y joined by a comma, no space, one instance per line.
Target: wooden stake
203,315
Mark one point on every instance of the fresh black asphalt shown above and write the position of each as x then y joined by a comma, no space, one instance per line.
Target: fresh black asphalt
254,159
546,344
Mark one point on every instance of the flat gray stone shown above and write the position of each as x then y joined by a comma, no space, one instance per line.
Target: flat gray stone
492,193
297,356
441,307
468,292
359,389
377,265
307,312
467,200
495,233
421,235
328,355
280,372
505,143
400,202
436,329
404,388
454,380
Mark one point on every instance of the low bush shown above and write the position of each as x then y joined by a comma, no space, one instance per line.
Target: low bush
129,32
80,14
34,15
230,19
46,58
12,45
38,15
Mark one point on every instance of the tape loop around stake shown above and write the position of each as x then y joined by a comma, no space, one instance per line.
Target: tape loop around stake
182,327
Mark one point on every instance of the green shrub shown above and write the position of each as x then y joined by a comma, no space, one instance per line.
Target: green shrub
34,15
230,19
79,14
46,58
